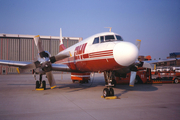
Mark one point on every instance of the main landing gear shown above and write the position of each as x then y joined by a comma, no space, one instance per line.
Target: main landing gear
40,85
110,82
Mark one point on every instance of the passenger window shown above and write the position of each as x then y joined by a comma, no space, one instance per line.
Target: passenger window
119,38
96,40
102,38
109,38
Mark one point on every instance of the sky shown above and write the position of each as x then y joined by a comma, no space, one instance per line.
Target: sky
155,22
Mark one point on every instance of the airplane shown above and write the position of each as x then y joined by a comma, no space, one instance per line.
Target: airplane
103,52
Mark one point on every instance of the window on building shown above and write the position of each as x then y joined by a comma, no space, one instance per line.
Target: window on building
172,63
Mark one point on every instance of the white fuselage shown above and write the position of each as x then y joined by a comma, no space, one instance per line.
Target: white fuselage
91,55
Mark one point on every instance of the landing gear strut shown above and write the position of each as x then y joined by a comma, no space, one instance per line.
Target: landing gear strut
110,82
40,83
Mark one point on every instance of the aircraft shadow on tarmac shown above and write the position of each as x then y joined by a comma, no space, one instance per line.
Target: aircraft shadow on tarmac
99,81
95,82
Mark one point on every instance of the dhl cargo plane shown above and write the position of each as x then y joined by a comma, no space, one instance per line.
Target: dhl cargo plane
104,52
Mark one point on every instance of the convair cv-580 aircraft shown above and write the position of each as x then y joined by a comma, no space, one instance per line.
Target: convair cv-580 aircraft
104,52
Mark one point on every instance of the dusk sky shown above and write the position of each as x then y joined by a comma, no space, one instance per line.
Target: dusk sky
155,22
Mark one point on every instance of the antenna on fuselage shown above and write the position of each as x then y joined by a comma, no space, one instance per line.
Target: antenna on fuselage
109,28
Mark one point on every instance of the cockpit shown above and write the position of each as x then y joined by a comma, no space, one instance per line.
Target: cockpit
107,38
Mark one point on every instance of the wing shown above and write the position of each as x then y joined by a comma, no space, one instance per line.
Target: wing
14,63
147,64
29,65
159,61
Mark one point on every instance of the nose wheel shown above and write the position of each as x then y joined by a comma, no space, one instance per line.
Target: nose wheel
108,92
109,80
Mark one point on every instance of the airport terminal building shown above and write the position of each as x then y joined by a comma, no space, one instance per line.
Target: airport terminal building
22,48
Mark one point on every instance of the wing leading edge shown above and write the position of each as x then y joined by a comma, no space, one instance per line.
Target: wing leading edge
24,65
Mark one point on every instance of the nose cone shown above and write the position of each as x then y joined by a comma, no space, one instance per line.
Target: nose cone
125,53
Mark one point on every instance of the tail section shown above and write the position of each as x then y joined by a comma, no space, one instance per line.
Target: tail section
61,45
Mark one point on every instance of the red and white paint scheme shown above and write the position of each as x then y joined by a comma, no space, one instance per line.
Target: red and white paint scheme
101,52
104,52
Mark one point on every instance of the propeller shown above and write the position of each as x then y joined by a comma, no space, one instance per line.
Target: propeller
51,79
46,55
138,43
44,62
38,43
132,78
133,68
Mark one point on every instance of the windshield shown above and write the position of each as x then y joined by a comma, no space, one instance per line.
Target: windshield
96,40
109,38
119,38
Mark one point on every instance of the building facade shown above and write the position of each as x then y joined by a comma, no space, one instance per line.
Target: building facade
22,48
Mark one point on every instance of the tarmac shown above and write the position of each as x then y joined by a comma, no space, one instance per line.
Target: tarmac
19,100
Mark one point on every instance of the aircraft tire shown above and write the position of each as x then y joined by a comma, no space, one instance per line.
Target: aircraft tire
106,92
176,81
111,92
44,84
37,84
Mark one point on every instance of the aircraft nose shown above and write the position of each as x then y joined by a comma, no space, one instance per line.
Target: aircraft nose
125,53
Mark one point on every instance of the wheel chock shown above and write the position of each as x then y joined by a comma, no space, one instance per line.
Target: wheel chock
53,87
39,88
110,97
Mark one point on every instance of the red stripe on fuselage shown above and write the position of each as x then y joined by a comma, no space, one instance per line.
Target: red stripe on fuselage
92,62
101,54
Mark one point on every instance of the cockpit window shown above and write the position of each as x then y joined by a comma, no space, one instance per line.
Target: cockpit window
102,38
109,37
119,38
96,40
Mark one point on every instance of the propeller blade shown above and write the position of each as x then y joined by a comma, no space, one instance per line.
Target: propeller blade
38,43
132,78
60,56
138,44
51,79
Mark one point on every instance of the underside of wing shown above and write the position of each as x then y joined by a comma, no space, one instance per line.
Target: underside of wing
14,63
165,60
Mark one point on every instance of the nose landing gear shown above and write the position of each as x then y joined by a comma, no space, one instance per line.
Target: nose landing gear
110,82
108,92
